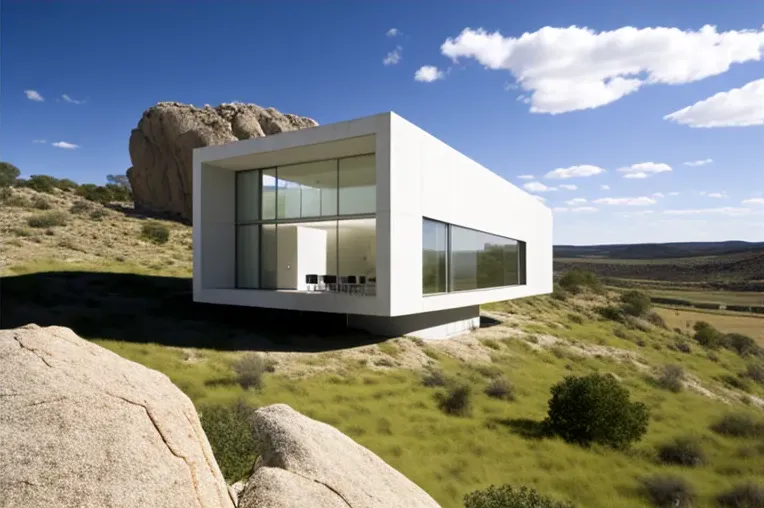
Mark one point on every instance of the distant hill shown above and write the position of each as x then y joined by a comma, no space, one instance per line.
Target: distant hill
656,250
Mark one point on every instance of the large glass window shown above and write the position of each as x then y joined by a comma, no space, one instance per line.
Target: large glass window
434,256
307,190
357,249
268,194
247,254
358,185
247,196
472,259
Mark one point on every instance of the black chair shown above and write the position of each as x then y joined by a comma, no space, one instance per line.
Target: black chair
330,281
351,282
312,281
362,279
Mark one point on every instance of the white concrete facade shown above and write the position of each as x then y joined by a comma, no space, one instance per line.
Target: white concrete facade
417,177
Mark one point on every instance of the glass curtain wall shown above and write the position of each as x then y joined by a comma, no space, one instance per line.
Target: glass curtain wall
461,259
313,218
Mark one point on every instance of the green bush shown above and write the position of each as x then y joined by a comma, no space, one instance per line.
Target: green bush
635,303
42,183
155,232
501,388
250,369
80,207
741,344
558,293
434,377
739,425
683,451
671,378
595,409
656,320
456,400
748,495
9,198
66,185
736,382
707,336
574,281
506,496
755,372
230,433
611,313
48,219
667,491
98,214
40,203
8,174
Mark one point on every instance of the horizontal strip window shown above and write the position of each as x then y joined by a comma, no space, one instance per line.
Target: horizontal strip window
461,259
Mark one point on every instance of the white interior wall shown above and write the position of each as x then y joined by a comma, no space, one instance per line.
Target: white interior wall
311,254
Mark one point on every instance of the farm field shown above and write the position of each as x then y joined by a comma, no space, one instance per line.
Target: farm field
729,322
751,298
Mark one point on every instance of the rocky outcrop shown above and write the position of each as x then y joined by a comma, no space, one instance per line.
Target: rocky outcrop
81,426
303,462
161,146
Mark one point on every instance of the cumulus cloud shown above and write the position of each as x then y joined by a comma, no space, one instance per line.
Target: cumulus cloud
65,145
640,201
393,57
393,32
428,74
575,209
604,187
739,107
702,162
538,187
68,99
717,195
568,186
725,210
575,201
33,95
526,177
575,171
658,195
575,68
644,169
753,201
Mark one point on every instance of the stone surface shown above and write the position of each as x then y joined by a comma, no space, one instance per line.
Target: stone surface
304,462
161,146
81,426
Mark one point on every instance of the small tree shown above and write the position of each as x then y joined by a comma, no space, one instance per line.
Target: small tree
8,174
42,183
506,496
575,280
595,409
635,303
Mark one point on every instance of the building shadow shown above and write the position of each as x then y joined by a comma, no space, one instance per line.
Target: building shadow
488,322
144,308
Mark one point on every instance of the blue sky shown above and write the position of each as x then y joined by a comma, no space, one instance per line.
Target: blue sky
558,97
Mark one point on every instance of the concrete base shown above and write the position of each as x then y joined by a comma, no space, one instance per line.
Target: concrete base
440,324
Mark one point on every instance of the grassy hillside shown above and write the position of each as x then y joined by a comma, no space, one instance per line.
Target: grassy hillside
382,393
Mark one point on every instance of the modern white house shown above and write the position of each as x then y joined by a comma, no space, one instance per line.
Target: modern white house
371,218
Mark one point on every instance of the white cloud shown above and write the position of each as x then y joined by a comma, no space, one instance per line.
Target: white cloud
538,187
526,177
640,201
717,195
568,186
65,145
702,162
658,195
726,210
392,32
575,68
575,171
577,209
33,95
644,169
428,74
393,57
673,194
576,201
70,100
739,107
753,201
39,141
605,187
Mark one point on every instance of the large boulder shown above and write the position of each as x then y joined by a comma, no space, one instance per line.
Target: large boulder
161,147
81,426
303,462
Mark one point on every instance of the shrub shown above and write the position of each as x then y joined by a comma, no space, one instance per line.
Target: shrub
456,400
671,378
48,219
683,347
707,336
41,203
747,495
501,388
506,496
155,232
434,378
755,371
558,293
655,319
611,313
229,430
668,491
576,318
250,369
99,214
66,185
741,344
8,174
683,451
21,232
80,207
738,425
574,281
8,198
595,409
739,383
635,303
42,183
